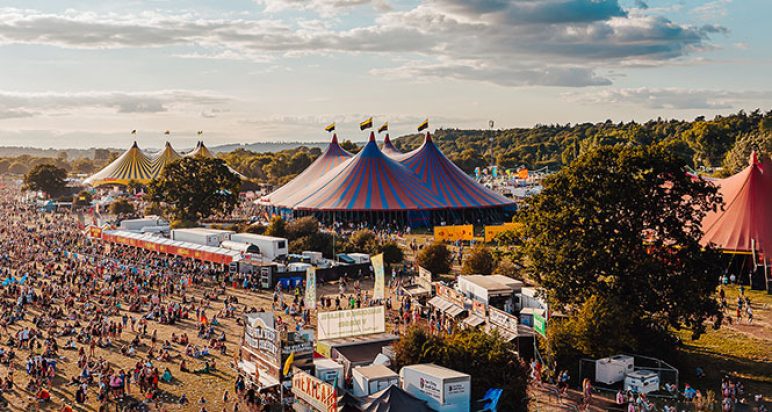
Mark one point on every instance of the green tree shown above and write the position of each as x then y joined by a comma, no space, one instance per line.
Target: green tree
350,146
435,258
122,207
277,227
491,361
194,188
392,253
46,178
736,159
153,209
363,241
625,222
479,261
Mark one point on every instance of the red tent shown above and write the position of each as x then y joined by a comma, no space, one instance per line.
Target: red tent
747,214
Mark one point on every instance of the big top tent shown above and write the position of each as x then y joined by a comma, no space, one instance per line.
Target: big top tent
369,181
454,188
333,156
133,164
745,222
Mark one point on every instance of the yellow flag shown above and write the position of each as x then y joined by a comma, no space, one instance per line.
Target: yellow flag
366,124
423,125
288,363
330,127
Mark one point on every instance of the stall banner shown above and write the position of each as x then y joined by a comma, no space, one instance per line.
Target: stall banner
451,295
502,319
352,322
453,233
319,394
380,278
310,298
492,231
424,278
540,324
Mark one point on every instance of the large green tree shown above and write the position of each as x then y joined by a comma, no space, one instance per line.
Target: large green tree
435,258
491,361
46,178
194,188
623,224
479,261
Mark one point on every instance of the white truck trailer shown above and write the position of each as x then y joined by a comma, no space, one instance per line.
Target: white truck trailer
270,247
198,236
445,390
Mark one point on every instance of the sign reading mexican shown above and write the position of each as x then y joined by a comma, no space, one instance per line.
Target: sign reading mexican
352,322
317,393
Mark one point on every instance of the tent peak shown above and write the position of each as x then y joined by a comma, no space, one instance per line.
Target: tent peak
372,136
134,145
428,137
334,138
386,140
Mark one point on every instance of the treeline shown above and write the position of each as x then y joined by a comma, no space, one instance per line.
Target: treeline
22,164
723,141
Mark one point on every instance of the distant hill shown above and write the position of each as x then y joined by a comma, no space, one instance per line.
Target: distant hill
269,147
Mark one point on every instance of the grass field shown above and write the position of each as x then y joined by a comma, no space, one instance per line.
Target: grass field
742,350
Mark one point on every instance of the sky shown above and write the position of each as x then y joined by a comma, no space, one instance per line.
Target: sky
84,73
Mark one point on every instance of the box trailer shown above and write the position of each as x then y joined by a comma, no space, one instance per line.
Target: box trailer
445,390
138,224
270,247
328,370
370,379
222,234
613,369
642,381
197,236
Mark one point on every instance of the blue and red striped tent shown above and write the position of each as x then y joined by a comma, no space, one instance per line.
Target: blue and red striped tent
388,148
370,181
450,185
333,156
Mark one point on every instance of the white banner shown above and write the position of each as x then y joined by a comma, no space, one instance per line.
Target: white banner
310,298
353,322
380,278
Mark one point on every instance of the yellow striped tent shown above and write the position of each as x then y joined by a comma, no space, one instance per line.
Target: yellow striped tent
200,151
164,157
131,165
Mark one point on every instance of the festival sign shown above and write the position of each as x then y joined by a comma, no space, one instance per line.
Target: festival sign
319,394
352,322
380,278
453,233
492,231
540,324
310,298
502,319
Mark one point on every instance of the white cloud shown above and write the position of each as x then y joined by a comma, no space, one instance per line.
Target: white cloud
674,98
27,104
506,42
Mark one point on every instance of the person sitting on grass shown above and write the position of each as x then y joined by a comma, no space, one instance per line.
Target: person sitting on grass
167,376
205,369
